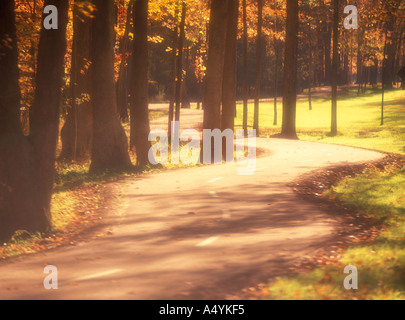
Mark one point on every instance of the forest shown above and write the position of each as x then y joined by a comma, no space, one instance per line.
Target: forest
85,91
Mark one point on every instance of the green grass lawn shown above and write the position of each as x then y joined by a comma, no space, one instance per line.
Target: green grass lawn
380,264
358,120
377,193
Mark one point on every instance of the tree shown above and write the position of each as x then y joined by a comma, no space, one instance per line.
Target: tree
179,62
276,55
27,172
77,131
229,76
215,64
335,62
122,82
290,72
245,67
259,41
139,108
110,145
172,86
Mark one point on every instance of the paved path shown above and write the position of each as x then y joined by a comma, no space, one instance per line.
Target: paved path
194,233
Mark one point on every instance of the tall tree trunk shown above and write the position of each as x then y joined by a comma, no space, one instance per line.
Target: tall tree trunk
215,68
179,62
139,88
27,173
229,78
77,131
215,65
122,83
390,45
173,73
321,59
290,72
328,63
335,63
259,41
359,71
245,68
275,44
310,79
110,145
383,71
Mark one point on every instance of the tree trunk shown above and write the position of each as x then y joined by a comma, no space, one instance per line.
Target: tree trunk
27,173
328,63
229,78
215,65
173,74
110,145
139,103
259,41
390,45
275,44
179,62
245,68
290,72
335,62
77,130
122,83
360,34
215,69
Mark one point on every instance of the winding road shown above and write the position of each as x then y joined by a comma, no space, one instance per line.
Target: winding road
195,233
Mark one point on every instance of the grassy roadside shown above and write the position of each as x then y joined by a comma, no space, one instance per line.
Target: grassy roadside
379,194
358,120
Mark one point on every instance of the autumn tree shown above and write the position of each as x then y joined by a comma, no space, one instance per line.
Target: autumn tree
77,130
215,64
179,61
245,67
27,172
333,130
229,75
110,145
290,72
123,74
259,41
139,105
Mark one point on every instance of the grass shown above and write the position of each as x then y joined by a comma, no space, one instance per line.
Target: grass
358,120
377,193
381,263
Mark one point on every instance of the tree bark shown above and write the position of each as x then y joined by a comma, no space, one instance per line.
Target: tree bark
327,52
173,73
122,83
215,65
179,62
335,63
275,44
288,129
76,133
139,88
27,173
229,78
110,145
259,41
245,68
